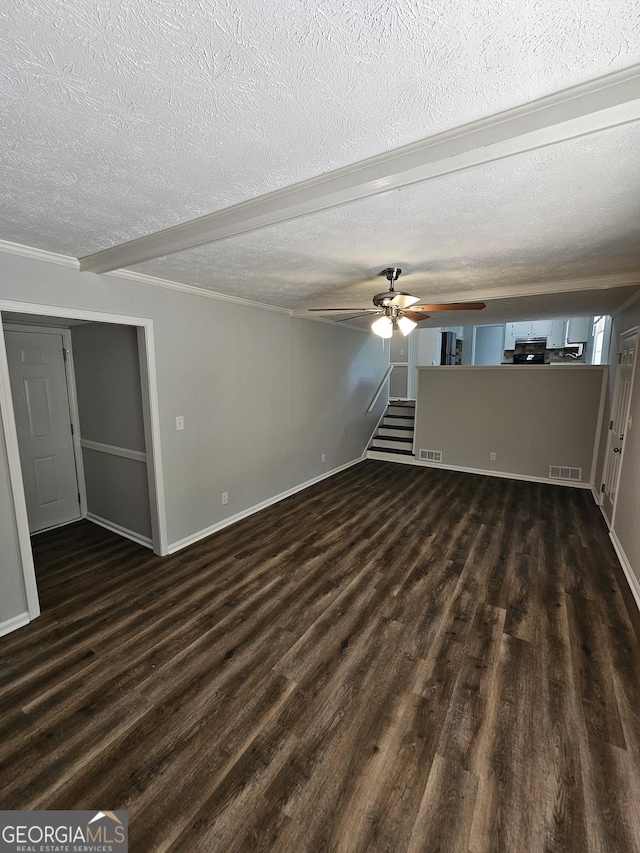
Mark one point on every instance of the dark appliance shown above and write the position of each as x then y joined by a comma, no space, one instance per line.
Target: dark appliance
448,348
528,358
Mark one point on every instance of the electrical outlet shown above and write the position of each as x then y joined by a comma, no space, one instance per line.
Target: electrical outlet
324,457
225,498
179,422
492,456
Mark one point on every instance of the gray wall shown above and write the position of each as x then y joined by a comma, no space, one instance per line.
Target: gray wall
107,372
531,417
13,600
263,394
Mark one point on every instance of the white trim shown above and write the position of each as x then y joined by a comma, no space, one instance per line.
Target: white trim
152,435
141,278
38,254
112,450
634,330
410,460
608,101
530,289
7,418
232,519
598,435
596,498
632,580
14,623
121,531
195,290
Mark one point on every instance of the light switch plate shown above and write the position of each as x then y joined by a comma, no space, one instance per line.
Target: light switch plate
179,422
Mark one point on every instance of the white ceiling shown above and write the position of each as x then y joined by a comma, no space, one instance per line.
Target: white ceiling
121,119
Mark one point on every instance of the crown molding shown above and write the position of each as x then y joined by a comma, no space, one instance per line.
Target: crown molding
141,278
605,282
605,102
38,254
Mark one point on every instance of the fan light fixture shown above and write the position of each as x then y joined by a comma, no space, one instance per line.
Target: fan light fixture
392,305
406,325
383,326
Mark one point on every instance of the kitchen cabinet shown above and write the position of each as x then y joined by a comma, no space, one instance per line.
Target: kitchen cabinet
513,331
578,330
556,336
531,329
558,332
540,328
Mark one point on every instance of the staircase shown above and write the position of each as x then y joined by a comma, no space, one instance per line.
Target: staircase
394,435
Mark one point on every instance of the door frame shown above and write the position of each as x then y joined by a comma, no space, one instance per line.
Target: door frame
626,333
72,395
146,347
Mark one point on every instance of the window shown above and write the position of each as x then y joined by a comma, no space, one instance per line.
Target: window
599,328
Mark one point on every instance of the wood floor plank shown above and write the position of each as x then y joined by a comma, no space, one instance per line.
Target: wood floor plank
397,658
446,812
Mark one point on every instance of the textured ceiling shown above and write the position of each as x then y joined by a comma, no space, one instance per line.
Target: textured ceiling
123,118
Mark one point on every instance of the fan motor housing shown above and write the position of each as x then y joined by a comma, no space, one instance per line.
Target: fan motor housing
381,300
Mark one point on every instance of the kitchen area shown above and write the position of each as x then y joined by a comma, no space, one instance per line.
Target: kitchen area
561,340
554,341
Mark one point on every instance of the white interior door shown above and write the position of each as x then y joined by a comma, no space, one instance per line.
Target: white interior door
41,404
619,420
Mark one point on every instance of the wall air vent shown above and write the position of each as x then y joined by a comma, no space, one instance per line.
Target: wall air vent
430,455
559,472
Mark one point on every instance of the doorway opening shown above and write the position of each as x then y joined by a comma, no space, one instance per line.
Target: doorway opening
102,457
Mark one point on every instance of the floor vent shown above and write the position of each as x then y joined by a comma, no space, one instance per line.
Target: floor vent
558,472
430,455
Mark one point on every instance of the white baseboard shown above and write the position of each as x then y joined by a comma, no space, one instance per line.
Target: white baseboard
121,531
14,623
630,575
411,460
232,519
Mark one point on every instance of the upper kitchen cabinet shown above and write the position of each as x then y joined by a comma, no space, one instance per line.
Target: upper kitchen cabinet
556,337
578,330
531,329
558,332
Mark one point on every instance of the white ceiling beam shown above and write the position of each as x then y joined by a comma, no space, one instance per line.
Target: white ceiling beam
600,104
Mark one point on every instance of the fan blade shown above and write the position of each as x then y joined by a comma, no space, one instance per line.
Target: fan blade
416,316
451,306
366,314
403,300
341,310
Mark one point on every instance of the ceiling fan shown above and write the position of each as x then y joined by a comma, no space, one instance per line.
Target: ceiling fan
393,306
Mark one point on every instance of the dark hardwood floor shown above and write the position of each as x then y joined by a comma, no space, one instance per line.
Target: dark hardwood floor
397,659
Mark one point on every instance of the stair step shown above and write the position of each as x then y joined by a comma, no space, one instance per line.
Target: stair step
395,430
382,441
390,450
403,411
400,420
